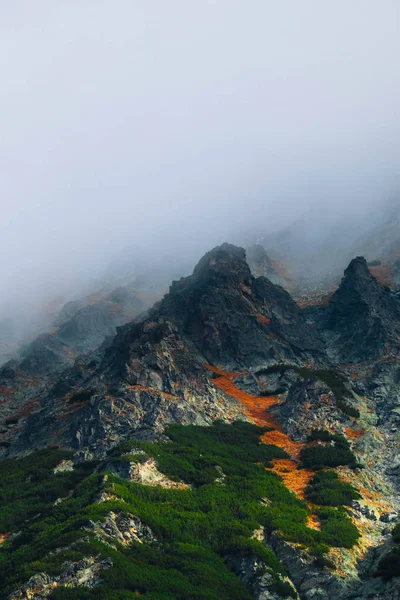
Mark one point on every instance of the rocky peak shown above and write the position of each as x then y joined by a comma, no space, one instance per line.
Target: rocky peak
152,372
223,264
358,270
359,289
363,315
234,319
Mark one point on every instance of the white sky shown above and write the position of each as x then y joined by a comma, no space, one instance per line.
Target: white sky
173,123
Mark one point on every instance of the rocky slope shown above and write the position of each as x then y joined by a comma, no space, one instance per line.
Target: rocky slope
152,372
79,328
226,345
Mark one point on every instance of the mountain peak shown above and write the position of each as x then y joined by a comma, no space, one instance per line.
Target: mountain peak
224,261
363,315
358,268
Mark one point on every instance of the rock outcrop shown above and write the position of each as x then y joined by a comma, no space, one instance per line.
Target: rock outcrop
86,572
362,319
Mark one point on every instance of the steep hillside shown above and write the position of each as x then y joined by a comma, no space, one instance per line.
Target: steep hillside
78,329
226,444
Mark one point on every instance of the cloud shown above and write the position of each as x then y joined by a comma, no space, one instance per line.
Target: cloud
176,125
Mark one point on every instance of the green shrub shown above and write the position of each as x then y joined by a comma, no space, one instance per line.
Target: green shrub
337,529
333,452
196,529
326,489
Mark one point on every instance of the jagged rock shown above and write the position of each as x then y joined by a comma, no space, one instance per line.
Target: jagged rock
277,382
362,317
389,517
365,510
65,465
44,355
257,577
147,473
310,405
235,320
86,572
152,373
122,529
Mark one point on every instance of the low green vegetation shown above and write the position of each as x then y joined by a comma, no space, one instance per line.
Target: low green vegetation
197,529
332,452
336,527
326,489
334,380
28,486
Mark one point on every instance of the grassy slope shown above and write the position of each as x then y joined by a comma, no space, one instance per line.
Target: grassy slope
196,529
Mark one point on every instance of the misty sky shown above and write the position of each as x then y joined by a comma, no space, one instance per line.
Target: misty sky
176,125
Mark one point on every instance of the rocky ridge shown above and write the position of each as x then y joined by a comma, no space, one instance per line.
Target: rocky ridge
152,373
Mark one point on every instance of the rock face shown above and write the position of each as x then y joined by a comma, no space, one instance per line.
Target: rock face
154,372
362,320
121,529
236,320
310,405
151,373
86,572
80,327
144,380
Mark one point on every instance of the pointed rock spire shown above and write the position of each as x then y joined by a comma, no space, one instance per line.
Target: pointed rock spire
363,315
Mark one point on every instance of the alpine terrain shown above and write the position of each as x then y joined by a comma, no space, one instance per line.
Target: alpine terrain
239,439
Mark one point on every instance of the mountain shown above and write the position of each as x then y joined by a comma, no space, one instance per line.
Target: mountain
79,328
220,315
362,320
225,443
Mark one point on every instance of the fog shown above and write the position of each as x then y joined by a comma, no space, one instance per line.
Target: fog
166,127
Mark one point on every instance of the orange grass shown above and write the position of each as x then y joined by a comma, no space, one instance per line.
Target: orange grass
351,433
262,319
258,410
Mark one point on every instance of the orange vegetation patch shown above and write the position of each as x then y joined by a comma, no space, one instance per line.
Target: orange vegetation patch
4,537
225,374
313,522
354,434
263,319
257,409
294,478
